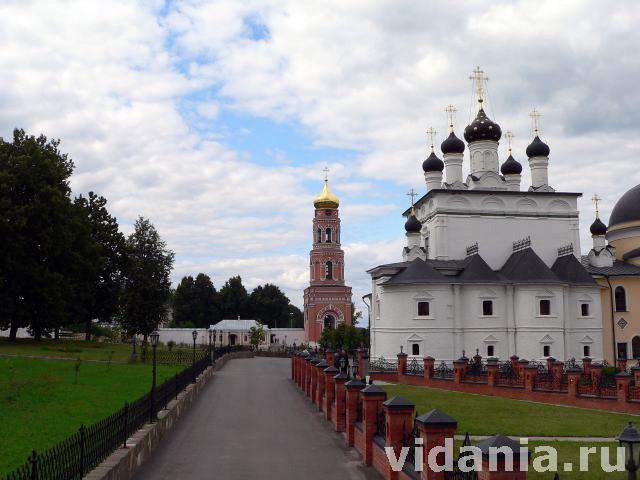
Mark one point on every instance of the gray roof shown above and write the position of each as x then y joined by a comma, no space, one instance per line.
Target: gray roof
525,266
619,268
476,270
498,441
569,269
418,271
234,325
436,417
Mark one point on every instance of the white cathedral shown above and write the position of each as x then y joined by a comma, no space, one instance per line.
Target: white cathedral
489,264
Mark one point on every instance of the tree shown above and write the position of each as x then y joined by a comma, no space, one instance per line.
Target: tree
184,304
102,286
269,305
295,317
233,298
147,287
207,308
36,232
356,316
256,335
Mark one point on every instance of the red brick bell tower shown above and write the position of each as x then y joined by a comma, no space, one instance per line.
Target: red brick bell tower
327,301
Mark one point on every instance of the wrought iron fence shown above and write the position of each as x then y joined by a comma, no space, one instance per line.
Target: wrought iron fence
603,386
508,376
382,365
174,357
359,410
381,424
456,473
78,454
409,439
476,372
552,382
443,372
415,367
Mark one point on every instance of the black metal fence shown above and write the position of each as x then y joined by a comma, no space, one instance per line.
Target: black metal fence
80,453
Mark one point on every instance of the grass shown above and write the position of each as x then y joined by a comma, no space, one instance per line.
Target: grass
483,415
66,349
44,401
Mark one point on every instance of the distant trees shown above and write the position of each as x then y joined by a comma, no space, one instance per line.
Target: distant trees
197,304
344,337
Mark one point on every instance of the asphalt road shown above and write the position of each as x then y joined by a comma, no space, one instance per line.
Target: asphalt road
251,422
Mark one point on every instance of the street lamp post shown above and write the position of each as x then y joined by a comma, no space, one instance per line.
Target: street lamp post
194,334
154,344
630,440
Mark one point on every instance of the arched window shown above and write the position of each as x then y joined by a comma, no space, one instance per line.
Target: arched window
329,322
319,235
328,237
635,347
328,270
415,349
621,299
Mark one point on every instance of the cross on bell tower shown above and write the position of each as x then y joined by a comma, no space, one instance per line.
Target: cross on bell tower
479,80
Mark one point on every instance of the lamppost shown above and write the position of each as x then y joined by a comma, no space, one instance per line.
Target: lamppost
630,440
290,319
194,334
154,344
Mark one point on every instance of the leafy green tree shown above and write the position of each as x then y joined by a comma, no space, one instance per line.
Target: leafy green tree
36,233
295,317
256,335
184,304
356,316
102,264
147,287
269,305
233,298
207,308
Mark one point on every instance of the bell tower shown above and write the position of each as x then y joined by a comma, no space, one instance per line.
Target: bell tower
327,301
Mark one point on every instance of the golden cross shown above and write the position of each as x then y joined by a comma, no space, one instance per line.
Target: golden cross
326,173
596,199
432,135
535,117
451,111
479,78
509,136
413,195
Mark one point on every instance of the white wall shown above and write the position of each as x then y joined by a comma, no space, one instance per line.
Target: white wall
286,336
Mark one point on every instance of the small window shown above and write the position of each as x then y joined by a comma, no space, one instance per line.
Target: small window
545,308
487,308
319,236
635,347
584,309
490,350
328,238
621,299
423,309
546,351
622,351
415,349
328,270
586,351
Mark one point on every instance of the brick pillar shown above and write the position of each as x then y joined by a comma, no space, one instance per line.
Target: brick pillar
573,378
514,362
320,383
314,379
530,374
492,371
303,372
372,398
622,364
399,421
623,380
522,364
596,373
550,361
635,373
329,390
340,404
435,427
353,388
586,365
307,384
295,358
402,363
301,359
500,441
558,368
330,356
460,369
429,363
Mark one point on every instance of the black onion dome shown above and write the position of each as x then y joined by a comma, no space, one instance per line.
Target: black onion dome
537,148
412,224
482,128
452,144
627,209
433,164
598,228
511,167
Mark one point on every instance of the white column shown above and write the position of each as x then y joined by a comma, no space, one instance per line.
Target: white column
539,171
433,180
453,167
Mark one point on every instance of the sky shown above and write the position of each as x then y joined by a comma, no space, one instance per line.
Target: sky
215,119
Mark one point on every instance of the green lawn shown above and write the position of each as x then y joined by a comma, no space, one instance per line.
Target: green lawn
66,348
483,415
41,403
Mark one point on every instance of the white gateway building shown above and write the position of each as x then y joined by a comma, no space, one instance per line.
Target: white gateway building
488,265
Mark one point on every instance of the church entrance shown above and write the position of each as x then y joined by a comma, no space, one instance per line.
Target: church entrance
233,338
329,322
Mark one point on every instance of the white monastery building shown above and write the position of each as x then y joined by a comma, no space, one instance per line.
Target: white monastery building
489,264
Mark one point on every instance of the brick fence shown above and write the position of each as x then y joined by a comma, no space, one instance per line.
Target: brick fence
372,423
583,385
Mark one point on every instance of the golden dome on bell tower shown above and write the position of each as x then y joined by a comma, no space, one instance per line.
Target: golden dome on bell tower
326,199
